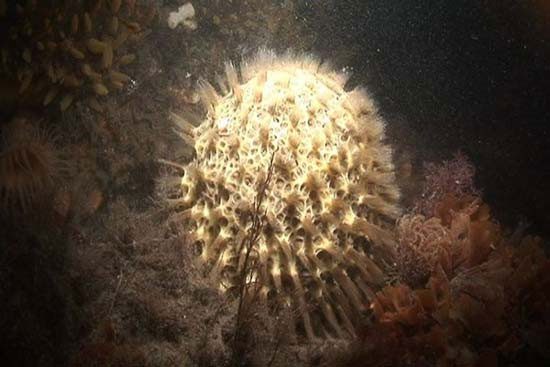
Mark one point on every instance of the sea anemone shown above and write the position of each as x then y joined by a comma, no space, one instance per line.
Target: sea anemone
330,202
29,165
61,50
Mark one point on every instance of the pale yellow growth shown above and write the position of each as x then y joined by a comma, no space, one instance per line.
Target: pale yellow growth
332,196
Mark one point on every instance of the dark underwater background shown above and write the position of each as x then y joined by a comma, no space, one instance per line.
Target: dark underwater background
462,75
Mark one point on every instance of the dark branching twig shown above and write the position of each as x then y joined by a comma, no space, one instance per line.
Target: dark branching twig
277,346
249,264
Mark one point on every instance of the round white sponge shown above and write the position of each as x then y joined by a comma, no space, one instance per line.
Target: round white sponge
328,206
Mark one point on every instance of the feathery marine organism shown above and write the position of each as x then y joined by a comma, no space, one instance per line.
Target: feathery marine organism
63,50
29,164
332,196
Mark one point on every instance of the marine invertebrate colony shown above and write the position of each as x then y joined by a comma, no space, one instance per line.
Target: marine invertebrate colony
67,49
330,201
452,178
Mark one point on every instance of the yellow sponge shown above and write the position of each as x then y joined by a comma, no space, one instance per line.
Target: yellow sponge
331,199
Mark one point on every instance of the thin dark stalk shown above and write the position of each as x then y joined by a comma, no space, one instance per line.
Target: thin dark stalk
248,243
